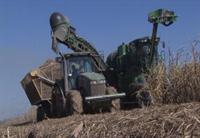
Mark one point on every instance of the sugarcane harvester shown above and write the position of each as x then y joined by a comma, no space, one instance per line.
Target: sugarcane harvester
129,65
81,82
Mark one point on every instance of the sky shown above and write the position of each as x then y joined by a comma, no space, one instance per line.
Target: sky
25,41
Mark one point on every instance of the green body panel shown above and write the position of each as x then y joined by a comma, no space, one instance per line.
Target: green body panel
91,84
130,62
122,50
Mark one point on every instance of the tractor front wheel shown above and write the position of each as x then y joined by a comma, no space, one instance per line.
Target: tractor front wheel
75,102
115,103
144,98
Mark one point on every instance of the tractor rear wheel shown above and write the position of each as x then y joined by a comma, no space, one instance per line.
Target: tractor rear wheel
40,114
75,102
115,103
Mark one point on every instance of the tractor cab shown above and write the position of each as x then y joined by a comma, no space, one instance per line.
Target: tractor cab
82,73
77,65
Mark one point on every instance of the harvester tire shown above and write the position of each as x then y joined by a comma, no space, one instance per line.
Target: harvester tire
75,102
115,103
40,114
144,99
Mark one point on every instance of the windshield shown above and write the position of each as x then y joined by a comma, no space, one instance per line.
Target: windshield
77,65
80,64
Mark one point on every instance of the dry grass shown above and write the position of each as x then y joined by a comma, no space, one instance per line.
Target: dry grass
177,82
156,121
28,117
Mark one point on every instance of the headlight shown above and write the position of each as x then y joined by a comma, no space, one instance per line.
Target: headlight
98,82
93,82
102,81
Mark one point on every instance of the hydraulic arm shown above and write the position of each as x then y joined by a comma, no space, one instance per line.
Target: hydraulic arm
160,16
63,32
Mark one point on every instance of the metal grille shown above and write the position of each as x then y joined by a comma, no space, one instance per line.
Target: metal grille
98,89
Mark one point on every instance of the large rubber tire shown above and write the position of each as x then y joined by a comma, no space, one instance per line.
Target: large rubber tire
144,99
75,102
58,104
40,114
115,103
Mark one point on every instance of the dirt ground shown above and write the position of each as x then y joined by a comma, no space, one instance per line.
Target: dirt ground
156,121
